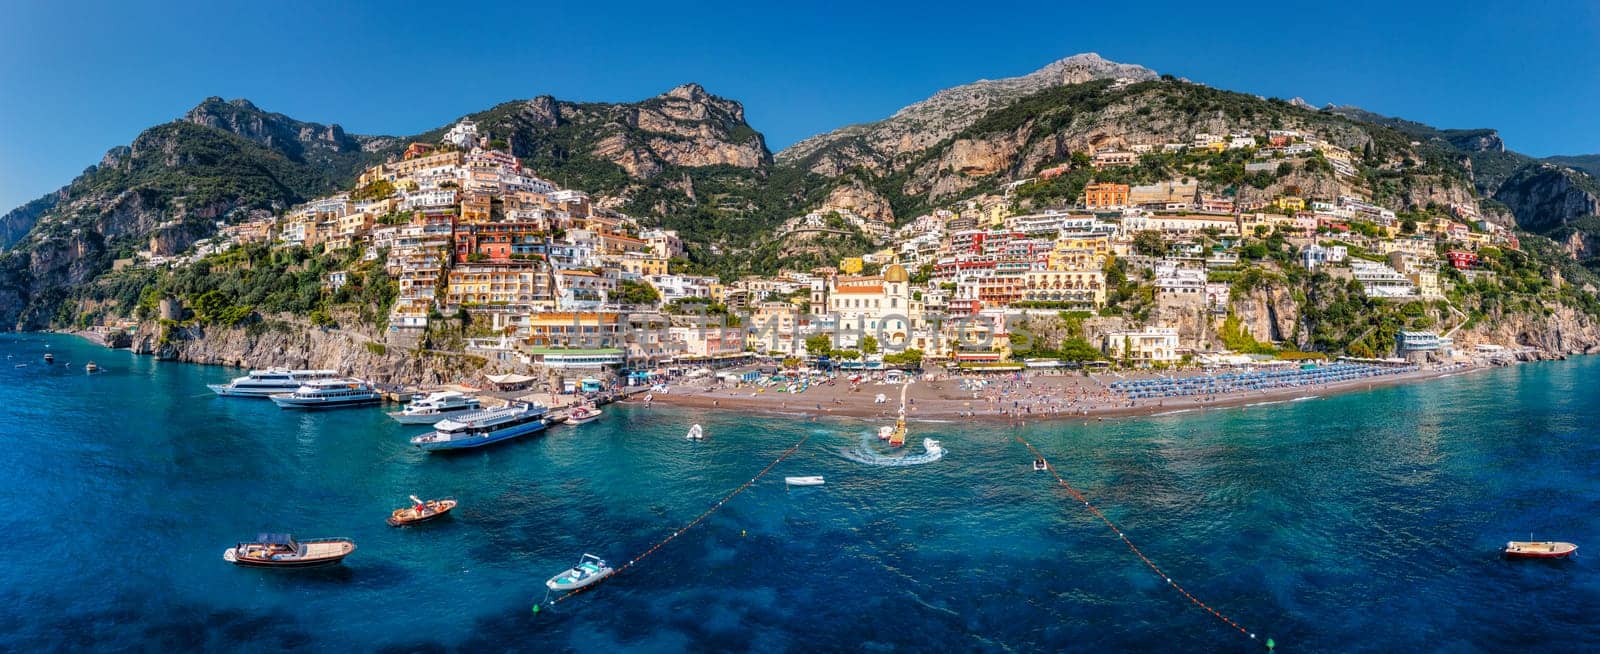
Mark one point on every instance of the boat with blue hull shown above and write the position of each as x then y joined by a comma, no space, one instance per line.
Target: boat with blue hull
483,428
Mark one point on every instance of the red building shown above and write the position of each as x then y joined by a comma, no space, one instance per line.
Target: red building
1461,259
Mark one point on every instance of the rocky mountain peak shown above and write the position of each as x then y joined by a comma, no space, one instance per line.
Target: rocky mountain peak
692,92
947,112
274,130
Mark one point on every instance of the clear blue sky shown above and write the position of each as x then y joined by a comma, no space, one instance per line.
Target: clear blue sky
76,80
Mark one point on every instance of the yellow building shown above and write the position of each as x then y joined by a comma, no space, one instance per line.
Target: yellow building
575,329
513,284
1290,203
644,265
851,265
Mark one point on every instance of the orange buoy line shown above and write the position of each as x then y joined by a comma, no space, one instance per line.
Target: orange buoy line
1134,548
698,519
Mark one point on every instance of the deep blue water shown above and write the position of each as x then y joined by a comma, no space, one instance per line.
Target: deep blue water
1361,522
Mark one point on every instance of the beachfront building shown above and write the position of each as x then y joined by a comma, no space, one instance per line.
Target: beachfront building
1144,347
879,305
1415,342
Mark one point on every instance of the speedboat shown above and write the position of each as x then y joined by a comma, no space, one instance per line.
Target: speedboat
266,383
484,427
420,511
810,480
435,407
283,551
589,570
1522,549
696,433
49,358
91,367
1039,464
328,393
582,414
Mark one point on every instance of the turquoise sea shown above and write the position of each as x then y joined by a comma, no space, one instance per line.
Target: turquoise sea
1365,522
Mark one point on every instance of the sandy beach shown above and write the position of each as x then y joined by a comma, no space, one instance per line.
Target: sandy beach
1039,397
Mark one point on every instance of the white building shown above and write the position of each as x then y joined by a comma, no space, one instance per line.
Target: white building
462,135
1144,347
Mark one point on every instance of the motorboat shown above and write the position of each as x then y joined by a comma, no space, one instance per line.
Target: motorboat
582,414
283,551
266,383
329,393
812,480
49,358
696,433
435,407
483,427
91,368
420,512
589,571
885,432
1523,549
1039,464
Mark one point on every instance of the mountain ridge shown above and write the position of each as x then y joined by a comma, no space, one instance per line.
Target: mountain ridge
688,159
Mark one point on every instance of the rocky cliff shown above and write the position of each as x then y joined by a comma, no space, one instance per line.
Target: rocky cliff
1547,196
293,342
919,126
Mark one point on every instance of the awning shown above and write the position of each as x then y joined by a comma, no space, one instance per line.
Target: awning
274,539
512,378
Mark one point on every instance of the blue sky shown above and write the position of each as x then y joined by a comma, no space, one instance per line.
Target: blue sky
79,78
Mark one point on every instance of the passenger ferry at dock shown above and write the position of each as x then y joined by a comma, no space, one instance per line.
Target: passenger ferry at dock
329,393
435,407
266,383
484,427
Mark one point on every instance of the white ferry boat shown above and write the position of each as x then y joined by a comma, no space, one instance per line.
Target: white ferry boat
484,427
328,393
436,407
266,383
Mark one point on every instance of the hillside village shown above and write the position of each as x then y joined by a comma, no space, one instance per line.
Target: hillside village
487,257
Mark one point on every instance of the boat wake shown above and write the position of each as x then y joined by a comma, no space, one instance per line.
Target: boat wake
866,453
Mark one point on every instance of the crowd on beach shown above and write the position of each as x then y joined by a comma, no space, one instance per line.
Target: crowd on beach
1020,395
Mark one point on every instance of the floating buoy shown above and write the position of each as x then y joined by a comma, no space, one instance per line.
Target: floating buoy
536,609
1270,644
742,533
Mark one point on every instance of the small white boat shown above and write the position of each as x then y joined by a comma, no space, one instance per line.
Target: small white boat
582,414
91,367
813,480
590,569
436,407
696,433
885,432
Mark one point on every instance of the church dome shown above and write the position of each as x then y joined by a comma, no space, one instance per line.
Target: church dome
896,273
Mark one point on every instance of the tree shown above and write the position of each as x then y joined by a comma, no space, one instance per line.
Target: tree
377,190
1149,243
819,345
636,292
869,344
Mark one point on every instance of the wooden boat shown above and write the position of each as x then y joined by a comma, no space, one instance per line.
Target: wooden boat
420,512
811,480
589,570
1525,549
283,551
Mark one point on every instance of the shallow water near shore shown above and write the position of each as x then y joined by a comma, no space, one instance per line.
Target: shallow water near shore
1364,521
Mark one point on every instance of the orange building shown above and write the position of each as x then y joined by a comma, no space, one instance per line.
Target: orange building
1105,195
